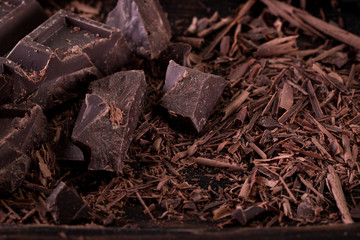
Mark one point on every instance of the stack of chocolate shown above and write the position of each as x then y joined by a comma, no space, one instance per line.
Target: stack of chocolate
70,57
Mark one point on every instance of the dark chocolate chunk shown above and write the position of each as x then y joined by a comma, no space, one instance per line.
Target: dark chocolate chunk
268,122
67,43
22,128
178,52
69,152
190,95
249,214
144,24
18,18
66,206
14,165
65,150
56,91
14,82
108,117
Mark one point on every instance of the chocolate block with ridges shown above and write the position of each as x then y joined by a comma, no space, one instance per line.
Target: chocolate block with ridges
18,18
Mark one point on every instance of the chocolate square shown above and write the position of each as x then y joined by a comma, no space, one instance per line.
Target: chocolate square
18,18
67,43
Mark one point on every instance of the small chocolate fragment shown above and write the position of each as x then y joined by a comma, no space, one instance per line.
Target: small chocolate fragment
22,127
190,95
14,82
108,117
144,24
305,210
249,214
66,206
18,18
178,52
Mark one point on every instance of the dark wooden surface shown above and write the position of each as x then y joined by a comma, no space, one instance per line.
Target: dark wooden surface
334,232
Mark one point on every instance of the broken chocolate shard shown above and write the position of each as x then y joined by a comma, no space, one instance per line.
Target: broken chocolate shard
65,150
144,24
190,95
14,165
178,52
268,122
69,152
54,92
108,117
18,18
247,215
22,127
66,206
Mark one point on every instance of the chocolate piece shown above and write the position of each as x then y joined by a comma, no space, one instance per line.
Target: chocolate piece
14,82
144,24
178,52
18,18
249,214
69,152
56,91
67,43
66,206
14,165
22,127
190,95
108,117
65,150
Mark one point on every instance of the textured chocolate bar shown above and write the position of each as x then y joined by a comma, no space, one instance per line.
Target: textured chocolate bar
18,18
65,53
190,95
144,24
22,127
66,206
108,117
67,43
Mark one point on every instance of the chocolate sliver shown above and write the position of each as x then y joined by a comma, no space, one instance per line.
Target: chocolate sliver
66,206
